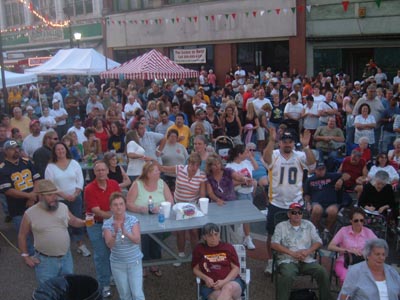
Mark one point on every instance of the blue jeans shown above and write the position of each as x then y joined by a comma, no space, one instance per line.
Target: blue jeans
29,240
101,254
128,278
246,197
4,205
50,267
75,208
387,141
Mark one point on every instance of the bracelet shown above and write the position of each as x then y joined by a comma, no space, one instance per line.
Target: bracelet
24,254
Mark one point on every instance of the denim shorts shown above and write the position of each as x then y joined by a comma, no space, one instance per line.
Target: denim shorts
205,291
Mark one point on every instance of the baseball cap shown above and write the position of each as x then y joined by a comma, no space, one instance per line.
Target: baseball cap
178,90
77,118
295,206
356,82
33,122
29,107
287,136
356,152
46,187
199,111
55,101
320,164
10,144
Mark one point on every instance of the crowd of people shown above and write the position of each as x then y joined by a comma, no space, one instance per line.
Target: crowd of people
293,138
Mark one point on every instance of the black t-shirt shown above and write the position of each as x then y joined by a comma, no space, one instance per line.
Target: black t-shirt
322,189
41,158
18,176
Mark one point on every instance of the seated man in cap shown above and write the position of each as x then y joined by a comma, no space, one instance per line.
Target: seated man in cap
320,194
201,118
296,240
48,220
33,141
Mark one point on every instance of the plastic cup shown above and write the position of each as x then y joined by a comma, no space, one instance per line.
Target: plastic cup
89,219
204,205
166,208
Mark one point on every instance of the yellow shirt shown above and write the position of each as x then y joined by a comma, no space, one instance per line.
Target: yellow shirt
183,131
22,124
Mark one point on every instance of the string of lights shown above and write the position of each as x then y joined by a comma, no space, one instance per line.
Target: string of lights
60,24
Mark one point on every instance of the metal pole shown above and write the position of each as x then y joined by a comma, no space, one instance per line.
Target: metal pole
71,44
3,75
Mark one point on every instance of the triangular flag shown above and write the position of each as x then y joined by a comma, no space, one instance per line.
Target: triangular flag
285,11
142,21
219,17
247,13
269,11
345,5
378,3
212,18
113,21
173,20
166,21
119,22
159,21
308,8
254,13
293,9
206,18
262,12
183,19
195,19
130,21
226,16
177,20
147,22
135,21
190,19
156,21
233,15
278,10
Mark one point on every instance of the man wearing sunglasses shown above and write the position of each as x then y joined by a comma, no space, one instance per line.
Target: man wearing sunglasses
296,241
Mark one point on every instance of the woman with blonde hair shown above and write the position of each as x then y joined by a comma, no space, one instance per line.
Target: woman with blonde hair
152,115
252,124
149,184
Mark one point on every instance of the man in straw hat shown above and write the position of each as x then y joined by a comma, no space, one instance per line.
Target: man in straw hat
48,220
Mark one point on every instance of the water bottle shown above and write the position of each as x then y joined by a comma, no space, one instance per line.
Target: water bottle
150,205
161,217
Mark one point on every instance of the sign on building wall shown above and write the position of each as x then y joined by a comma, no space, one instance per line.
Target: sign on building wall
190,56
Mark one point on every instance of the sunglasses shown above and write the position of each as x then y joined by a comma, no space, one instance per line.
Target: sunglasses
358,220
295,212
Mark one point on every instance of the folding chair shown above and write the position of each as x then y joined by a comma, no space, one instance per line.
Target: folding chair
244,272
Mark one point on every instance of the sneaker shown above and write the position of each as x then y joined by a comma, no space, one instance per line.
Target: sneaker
248,243
82,249
106,292
268,267
182,255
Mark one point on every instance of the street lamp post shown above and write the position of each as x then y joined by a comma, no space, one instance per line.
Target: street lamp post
77,37
3,75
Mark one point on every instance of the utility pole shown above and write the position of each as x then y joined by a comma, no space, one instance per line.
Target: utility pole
3,75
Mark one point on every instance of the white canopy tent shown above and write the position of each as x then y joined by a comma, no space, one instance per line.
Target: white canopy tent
15,79
74,61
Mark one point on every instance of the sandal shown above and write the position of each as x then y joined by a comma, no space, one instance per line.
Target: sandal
156,271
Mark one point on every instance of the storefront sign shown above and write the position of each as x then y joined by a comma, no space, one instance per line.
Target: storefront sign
190,56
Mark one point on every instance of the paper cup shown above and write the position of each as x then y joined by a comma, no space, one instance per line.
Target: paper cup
203,202
166,208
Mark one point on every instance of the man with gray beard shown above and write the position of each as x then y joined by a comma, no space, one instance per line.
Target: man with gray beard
48,220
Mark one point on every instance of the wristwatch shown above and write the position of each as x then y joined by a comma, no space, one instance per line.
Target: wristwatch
24,254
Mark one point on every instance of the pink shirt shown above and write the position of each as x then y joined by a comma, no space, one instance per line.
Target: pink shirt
348,239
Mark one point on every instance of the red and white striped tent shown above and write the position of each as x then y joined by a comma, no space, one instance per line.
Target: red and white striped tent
150,65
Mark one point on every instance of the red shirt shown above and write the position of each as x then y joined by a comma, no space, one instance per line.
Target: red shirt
246,96
354,171
96,197
216,261
103,137
366,154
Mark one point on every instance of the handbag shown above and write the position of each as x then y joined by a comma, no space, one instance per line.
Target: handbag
303,294
351,259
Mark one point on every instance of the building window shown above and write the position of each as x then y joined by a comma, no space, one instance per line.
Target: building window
78,7
14,13
46,7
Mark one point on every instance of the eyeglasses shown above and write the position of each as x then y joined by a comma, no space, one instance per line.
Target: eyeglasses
295,212
358,220
252,150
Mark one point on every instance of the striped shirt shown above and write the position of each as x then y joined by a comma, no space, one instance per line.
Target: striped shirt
188,189
124,250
